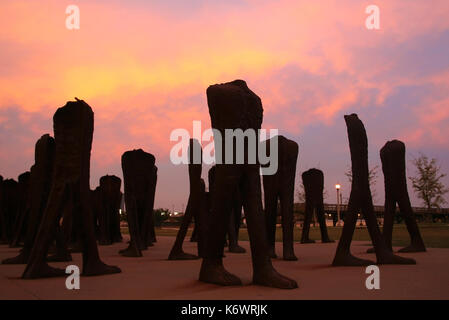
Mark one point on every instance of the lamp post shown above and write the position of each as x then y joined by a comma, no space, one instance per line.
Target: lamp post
337,187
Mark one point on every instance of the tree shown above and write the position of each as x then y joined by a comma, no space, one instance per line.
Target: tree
427,182
372,179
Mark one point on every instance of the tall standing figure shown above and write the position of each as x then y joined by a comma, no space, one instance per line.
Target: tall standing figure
360,199
109,197
73,128
392,156
280,187
138,176
40,184
313,181
234,106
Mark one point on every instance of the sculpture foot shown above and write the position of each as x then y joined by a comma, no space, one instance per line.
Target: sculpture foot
131,251
60,258
182,256
43,271
20,259
237,249
306,241
269,277
99,268
414,248
350,261
213,271
390,258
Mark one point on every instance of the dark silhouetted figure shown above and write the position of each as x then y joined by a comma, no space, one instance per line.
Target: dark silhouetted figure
196,186
313,181
108,201
10,207
19,229
149,231
40,184
234,106
393,166
138,177
360,200
280,187
73,129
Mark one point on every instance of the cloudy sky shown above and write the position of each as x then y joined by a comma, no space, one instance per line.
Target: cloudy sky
144,66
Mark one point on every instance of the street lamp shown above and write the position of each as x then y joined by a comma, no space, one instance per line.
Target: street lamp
338,187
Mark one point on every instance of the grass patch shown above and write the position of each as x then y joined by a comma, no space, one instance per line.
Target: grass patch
435,235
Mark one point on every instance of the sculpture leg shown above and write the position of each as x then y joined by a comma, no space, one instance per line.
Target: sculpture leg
134,248
194,236
32,229
103,222
37,267
271,201
343,256
263,272
177,253
322,221
390,210
19,227
417,243
92,265
212,269
308,214
383,254
234,225
286,199
146,228
62,251
143,225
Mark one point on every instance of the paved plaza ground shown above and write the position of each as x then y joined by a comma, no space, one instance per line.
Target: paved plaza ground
154,277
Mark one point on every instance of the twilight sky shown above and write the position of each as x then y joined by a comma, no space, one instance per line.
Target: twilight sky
144,66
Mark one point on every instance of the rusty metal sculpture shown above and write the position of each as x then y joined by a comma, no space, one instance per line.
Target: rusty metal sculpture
361,200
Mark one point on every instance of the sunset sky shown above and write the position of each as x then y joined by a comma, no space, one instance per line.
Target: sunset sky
144,66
